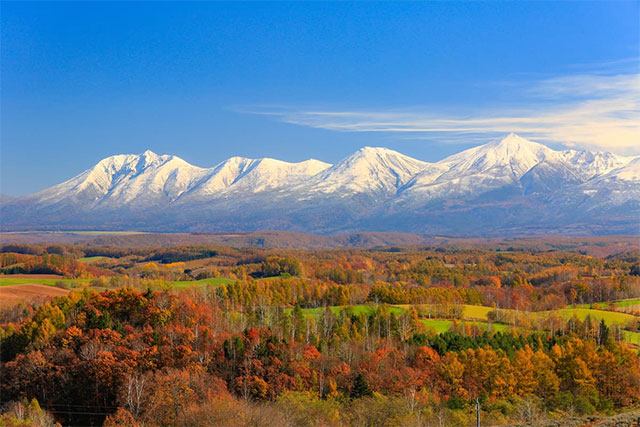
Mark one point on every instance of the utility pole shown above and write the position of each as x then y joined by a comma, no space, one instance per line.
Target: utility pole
477,412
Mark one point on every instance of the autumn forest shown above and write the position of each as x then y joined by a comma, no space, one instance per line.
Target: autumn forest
202,335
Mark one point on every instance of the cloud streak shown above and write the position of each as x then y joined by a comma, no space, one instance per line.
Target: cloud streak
587,111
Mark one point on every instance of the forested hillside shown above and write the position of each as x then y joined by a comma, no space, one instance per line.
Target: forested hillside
201,335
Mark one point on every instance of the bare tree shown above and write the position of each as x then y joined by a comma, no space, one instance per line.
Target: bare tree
134,391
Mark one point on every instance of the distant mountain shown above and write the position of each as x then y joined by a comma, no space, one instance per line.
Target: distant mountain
512,165
508,186
377,171
242,175
122,181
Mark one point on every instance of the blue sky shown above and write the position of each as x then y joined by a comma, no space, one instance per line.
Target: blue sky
209,80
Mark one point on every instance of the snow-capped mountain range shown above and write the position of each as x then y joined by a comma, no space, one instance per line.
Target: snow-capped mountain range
508,186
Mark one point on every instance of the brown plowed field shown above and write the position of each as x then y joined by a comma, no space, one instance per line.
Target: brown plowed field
13,294
33,276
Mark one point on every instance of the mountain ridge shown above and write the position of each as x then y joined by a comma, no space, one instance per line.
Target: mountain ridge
491,187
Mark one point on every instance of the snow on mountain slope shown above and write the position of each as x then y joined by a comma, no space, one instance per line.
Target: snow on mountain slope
588,164
164,178
619,186
611,195
511,156
512,177
629,172
149,179
120,180
271,173
548,176
498,164
253,175
369,170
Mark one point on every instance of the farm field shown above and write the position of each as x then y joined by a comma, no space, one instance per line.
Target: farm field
213,281
468,311
631,337
627,306
627,302
8,280
25,279
13,294
610,317
439,326
611,305
476,312
92,259
472,313
355,309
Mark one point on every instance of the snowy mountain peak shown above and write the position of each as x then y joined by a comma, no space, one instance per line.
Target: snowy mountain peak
514,145
512,163
379,155
148,158
513,139
375,151
375,170
241,174
510,156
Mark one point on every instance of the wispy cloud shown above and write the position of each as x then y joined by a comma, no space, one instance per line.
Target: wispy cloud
588,110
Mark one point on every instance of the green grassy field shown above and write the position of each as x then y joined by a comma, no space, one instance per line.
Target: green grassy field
214,281
627,302
477,315
498,327
441,326
480,313
7,281
609,317
606,305
473,315
356,309
631,337
595,306
438,325
92,259
476,312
